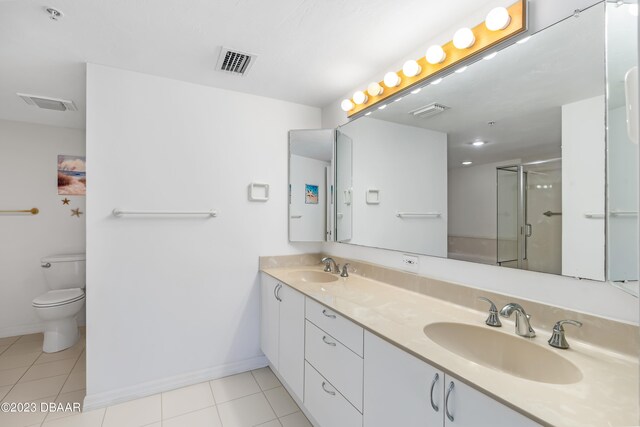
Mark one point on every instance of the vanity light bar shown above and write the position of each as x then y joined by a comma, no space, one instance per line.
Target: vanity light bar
500,24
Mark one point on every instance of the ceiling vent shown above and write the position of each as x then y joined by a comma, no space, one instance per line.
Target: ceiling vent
234,62
47,103
429,110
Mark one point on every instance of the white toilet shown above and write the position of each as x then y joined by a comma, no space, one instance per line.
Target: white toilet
65,276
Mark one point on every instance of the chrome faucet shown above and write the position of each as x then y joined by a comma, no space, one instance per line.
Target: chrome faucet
523,327
493,319
558,339
327,265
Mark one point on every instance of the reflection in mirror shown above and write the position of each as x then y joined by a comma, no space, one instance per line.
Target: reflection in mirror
622,159
344,180
310,185
501,163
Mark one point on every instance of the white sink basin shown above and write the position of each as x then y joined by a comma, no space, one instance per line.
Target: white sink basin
312,276
507,353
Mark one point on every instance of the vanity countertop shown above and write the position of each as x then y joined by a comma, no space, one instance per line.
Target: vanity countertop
607,395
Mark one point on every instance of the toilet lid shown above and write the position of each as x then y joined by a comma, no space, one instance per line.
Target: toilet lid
58,297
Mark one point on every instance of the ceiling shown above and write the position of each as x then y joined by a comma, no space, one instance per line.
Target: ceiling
310,52
522,90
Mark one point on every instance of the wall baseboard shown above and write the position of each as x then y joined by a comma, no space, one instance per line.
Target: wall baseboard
108,398
14,331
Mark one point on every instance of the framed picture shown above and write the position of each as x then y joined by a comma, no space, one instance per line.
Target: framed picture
72,179
311,194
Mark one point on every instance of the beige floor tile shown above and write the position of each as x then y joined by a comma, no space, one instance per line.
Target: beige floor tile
82,362
134,413
85,419
24,392
265,378
296,419
281,402
74,397
22,419
46,370
77,381
8,340
158,424
11,376
186,399
246,412
3,348
234,387
17,360
4,390
32,337
207,417
24,348
272,423
70,353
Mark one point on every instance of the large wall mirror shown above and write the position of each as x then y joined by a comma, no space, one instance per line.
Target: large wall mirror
522,159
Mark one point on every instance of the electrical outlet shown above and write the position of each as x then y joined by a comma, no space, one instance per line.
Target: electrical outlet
410,263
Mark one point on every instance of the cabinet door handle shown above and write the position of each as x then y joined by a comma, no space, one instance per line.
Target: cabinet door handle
433,384
276,292
331,316
332,393
446,402
332,344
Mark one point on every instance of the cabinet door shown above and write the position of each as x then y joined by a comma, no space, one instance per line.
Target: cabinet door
269,318
397,388
291,347
471,408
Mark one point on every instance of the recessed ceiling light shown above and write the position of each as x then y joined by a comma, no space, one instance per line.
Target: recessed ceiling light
466,163
478,143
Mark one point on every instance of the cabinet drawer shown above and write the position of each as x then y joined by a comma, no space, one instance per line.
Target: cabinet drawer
345,331
341,366
326,404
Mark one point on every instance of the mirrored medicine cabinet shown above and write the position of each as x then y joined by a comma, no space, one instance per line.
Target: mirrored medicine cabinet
522,159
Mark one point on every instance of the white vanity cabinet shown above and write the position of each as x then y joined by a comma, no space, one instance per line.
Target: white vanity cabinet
282,331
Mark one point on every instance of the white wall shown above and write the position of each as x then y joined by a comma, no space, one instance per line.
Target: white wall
592,297
408,165
174,301
307,222
28,177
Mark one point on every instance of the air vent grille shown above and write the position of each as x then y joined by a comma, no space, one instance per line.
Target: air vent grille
234,62
47,103
429,110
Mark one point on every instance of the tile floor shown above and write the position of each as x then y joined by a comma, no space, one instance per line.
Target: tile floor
249,399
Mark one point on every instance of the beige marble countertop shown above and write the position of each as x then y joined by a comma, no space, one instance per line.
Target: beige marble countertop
607,395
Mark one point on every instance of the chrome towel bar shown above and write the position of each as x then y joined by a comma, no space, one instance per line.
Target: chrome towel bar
120,212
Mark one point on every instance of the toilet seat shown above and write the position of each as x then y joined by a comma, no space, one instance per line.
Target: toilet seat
58,297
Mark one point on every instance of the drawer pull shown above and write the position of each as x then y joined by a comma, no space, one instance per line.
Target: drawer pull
332,344
331,316
433,384
446,402
332,393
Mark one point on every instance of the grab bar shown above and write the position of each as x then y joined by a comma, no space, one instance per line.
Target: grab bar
593,215
624,213
120,212
32,211
418,214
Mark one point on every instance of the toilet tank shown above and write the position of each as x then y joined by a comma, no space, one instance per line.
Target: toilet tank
64,271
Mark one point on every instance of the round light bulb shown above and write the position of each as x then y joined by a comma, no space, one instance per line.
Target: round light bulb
346,105
464,38
411,68
391,79
497,19
435,55
360,97
375,89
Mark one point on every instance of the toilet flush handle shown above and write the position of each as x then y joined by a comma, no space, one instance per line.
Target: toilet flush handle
46,265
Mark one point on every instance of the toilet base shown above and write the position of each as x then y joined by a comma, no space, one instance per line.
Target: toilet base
60,334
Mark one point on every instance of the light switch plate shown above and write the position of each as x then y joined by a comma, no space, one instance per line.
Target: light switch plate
410,263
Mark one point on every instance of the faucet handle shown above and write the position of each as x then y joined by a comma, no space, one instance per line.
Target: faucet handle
493,319
345,271
558,339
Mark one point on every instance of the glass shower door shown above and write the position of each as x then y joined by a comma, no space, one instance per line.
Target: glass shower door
507,218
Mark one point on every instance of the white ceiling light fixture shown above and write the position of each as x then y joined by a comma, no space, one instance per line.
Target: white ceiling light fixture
467,163
360,97
48,103
464,38
346,105
375,89
411,68
490,56
435,55
391,79
497,19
